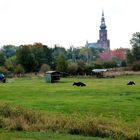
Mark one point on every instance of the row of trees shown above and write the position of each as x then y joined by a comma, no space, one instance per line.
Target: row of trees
38,57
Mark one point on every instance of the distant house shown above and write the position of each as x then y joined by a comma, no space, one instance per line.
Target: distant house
52,76
119,54
105,56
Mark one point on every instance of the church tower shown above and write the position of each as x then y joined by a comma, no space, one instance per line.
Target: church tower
103,42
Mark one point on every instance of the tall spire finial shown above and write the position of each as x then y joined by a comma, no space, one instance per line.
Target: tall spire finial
103,26
102,13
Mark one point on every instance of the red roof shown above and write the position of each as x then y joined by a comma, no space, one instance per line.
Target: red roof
118,53
106,55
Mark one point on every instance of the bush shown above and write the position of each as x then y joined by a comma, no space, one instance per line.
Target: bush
19,69
98,65
3,70
72,68
110,64
44,68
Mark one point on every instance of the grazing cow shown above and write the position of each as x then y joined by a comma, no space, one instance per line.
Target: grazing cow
131,83
79,84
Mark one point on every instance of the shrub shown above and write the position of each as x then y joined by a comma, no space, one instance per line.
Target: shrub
3,70
44,68
98,65
19,69
72,68
110,64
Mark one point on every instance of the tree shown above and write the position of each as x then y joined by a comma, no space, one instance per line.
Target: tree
136,66
110,64
97,64
62,63
9,50
11,63
32,57
72,68
26,58
42,53
81,67
73,54
19,69
135,42
86,54
129,56
2,58
3,70
56,51
89,69
44,68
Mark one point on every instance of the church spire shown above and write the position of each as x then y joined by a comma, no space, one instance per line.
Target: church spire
102,26
102,13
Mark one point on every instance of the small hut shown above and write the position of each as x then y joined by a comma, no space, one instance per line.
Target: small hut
52,76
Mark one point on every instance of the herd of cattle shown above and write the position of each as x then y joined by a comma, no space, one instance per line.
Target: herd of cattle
3,79
83,84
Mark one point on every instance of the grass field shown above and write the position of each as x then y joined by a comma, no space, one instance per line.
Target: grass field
14,135
110,99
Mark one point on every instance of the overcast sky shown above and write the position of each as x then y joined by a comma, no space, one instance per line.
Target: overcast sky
67,22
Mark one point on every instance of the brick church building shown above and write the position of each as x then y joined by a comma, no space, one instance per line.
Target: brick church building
102,42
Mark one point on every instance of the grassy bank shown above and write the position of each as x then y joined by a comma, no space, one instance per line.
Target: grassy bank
21,119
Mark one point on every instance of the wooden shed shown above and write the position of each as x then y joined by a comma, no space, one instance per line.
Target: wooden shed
52,76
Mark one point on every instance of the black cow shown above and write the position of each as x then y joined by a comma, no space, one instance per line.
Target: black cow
79,84
131,83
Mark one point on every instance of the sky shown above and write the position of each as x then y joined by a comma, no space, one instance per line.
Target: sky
67,22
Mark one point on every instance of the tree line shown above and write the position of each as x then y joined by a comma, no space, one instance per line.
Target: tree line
75,60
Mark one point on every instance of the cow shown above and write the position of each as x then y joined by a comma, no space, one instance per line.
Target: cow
79,84
131,83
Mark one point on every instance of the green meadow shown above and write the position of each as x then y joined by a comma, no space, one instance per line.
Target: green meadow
107,99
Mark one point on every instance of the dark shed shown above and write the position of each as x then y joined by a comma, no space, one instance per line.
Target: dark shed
52,76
